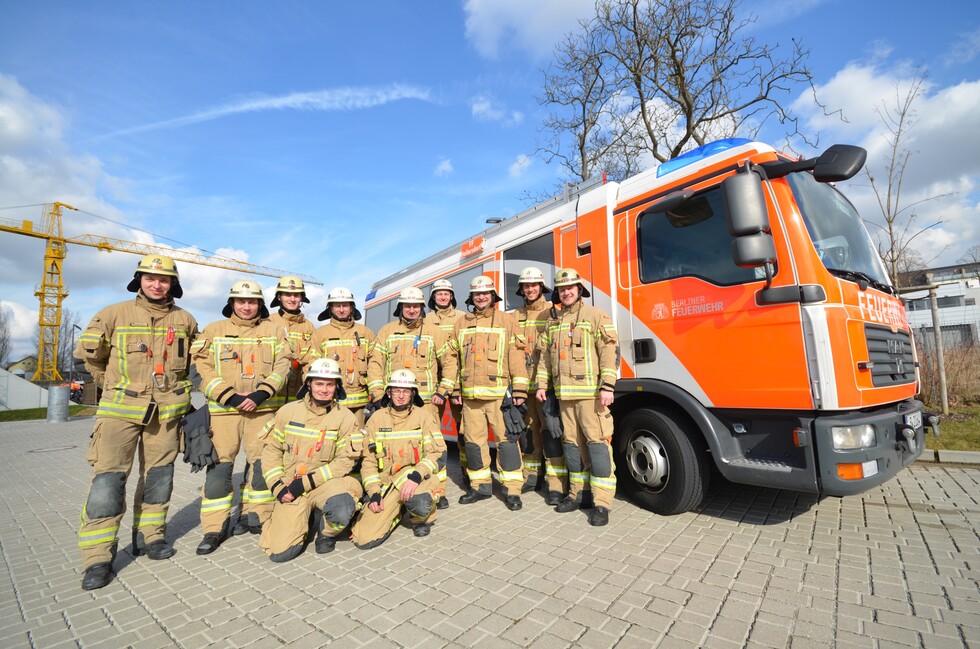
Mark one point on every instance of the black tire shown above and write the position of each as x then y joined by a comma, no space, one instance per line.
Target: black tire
661,463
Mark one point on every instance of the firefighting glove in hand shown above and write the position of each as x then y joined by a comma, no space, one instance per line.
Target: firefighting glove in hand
198,448
370,408
259,396
415,477
376,498
513,418
552,417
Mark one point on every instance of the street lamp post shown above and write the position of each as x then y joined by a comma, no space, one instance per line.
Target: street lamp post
71,363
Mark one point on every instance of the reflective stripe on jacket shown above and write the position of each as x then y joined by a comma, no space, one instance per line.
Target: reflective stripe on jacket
579,353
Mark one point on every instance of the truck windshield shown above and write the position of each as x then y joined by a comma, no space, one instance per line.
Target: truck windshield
838,234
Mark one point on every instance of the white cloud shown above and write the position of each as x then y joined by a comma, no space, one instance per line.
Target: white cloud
335,99
487,109
444,168
493,26
964,49
519,166
942,140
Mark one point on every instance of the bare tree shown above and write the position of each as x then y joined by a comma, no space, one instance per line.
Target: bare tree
900,227
5,342
649,79
972,258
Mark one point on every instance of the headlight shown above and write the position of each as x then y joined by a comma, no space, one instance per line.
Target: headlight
853,437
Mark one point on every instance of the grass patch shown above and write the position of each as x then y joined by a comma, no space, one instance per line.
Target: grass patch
960,430
42,413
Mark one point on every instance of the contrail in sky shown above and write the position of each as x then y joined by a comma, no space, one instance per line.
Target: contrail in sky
336,99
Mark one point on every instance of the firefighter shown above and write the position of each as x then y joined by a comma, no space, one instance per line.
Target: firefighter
244,363
138,352
580,354
491,360
532,320
411,342
311,448
403,456
290,297
347,342
444,314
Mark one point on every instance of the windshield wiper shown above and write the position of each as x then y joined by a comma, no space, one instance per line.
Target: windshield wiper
863,280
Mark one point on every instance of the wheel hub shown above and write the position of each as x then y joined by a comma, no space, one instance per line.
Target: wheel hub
647,462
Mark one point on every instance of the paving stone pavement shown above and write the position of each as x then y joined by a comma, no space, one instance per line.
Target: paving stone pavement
896,567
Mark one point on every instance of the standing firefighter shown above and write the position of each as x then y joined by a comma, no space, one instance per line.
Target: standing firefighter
403,455
290,297
311,448
243,361
348,343
532,322
139,353
491,362
411,343
580,358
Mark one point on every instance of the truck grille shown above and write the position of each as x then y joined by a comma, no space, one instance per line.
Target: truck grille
891,353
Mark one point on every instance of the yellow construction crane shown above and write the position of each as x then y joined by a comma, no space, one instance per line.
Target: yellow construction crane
51,291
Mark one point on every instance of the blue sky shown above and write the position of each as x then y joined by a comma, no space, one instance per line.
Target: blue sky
348,140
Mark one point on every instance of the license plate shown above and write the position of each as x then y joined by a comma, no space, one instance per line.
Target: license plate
914,420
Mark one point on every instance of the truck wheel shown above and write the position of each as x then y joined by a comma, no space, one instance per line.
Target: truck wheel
661,464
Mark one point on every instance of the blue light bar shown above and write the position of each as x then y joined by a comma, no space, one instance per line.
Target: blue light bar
371,296
698,154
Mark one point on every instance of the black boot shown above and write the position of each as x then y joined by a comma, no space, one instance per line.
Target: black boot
513,503
422,529
569,504
97,576
159,550
599,516
325,544
443,502
241,526
472,496
553,498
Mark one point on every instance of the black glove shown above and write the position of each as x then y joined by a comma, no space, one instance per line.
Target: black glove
513,418
552,416
415,477
259,396
297,487
198,448
235,400
376,498
370,408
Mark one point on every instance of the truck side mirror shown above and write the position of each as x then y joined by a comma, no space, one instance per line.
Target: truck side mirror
754,250
745,204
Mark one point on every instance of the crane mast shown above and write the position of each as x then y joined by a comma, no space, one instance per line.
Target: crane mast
51,292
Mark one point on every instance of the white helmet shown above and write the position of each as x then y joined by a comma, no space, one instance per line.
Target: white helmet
157,265
406,379
410,295
327,368
531,275
441,285
482,284
289,284
248,290
339,295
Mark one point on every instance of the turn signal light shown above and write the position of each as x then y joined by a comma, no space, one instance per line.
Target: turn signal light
857,471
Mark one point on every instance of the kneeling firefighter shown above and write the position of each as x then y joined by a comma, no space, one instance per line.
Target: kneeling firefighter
312,446
403,455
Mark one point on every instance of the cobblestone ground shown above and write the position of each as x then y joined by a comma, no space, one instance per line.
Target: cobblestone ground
896,567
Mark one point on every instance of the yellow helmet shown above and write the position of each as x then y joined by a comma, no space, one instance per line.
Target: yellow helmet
289,284
157,265
245,289
570,277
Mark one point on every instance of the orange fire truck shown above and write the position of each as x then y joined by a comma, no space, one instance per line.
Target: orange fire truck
758,328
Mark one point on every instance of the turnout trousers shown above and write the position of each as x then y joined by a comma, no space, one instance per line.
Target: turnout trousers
478,416
229,434
115,442
290,522
371,529
552,458
588,450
